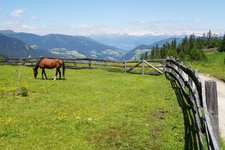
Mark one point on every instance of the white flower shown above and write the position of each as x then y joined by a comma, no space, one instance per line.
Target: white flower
90,119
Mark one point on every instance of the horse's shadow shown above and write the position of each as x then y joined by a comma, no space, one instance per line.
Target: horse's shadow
51,79
191,136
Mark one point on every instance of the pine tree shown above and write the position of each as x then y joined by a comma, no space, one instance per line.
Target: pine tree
222,46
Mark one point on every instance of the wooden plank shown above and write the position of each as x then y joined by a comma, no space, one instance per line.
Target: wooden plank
143,67
211,139
164,65
134,66
125,66
153,67
212,106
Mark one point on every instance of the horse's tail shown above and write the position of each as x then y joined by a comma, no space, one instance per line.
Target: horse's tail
63,68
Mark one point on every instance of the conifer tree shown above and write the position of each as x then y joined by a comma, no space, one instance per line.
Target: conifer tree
222,46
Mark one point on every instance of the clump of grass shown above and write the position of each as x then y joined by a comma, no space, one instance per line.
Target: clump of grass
24,91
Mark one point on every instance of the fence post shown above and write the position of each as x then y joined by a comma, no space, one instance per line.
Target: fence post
124,66
212,105
143,68
19,76
75,64
164,65
181,73
89,64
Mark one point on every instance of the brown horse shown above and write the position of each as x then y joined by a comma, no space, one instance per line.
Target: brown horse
49,63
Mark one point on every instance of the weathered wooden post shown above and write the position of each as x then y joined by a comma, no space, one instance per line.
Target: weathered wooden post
212,106
181,73
75,64
124,66
19,75
143,67
89,63
164,65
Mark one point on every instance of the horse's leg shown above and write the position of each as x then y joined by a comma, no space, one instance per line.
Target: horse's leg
42,73
45,74
59,73
56,73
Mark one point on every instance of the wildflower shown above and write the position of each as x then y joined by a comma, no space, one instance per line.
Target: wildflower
8,120
90,119
78,117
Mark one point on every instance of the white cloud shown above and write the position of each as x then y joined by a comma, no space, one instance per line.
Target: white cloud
34,18
136,28
171,26
18,27
17,12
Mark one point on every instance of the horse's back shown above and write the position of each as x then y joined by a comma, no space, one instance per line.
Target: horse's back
50,63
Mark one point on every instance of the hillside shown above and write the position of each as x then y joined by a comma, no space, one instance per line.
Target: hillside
13,47
68,46
137,51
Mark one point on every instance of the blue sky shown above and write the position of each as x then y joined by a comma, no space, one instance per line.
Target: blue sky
134,17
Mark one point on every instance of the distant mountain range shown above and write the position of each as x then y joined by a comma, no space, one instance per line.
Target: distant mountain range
129,42
13,44
63,46
137,51
12,47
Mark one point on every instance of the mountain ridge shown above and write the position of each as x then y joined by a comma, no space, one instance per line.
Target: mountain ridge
137,51
67,45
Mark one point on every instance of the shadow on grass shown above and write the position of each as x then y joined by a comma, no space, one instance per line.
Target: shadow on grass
191,136
51,79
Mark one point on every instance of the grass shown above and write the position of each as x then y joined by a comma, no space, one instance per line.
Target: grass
214,67
91,109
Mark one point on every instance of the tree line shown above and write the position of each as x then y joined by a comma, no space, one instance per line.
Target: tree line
190,48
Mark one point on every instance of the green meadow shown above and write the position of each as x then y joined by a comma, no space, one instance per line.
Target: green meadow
91,109
214,66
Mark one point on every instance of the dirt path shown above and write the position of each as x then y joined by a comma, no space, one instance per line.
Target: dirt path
221,101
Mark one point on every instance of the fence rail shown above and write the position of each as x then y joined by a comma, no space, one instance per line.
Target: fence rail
202,99
142,66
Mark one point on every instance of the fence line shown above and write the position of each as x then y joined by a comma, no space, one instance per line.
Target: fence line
157,66
202,98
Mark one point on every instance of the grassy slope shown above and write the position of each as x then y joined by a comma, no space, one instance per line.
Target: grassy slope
92,109
215,65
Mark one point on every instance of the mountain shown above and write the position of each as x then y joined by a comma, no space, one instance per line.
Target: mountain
127,42
137,51
68,46
13,47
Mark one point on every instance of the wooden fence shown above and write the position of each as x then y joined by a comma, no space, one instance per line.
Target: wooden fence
156,67
201,99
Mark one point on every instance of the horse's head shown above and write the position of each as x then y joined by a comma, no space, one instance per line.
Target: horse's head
35,72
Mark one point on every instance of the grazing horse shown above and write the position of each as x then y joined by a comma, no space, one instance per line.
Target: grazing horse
49,63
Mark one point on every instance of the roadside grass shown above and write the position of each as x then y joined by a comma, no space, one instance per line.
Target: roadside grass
214,67
91,109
